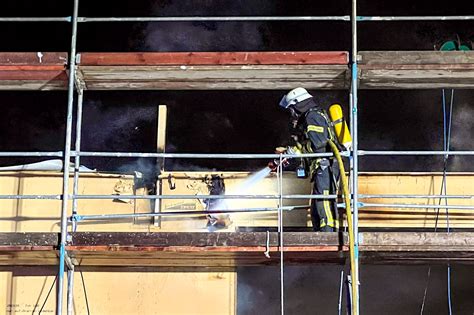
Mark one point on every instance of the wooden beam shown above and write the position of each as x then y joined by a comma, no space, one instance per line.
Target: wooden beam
403,241
161,133
214,70
33,58
160,148
416,69
371,58
215,58
33,71
200,239
252,77
29,239
239,70
222,250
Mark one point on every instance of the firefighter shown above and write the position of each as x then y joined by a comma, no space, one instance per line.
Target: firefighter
311,129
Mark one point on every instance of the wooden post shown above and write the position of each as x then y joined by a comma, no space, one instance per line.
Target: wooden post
161,148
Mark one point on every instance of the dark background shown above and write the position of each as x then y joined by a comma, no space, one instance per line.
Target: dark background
250,121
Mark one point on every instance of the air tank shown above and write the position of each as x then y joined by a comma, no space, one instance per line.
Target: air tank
340,126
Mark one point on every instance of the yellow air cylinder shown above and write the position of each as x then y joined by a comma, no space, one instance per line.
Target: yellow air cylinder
340,126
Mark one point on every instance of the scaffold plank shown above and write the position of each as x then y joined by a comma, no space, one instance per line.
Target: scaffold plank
33,59
33,71
215,58
231,249
198,239
28,239
401,58
223,77
239,70
416,69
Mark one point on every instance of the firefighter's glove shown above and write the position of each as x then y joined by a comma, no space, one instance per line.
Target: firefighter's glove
273,165
280,150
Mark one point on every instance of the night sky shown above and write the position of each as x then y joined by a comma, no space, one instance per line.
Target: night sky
223,121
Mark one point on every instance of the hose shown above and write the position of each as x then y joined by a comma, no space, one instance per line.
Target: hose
347,201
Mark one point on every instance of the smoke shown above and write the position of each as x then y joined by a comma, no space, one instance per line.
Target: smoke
123,127
461,136
206,36
413,120
111,127
384,290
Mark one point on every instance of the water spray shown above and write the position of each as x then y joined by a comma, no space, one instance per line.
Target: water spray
223,220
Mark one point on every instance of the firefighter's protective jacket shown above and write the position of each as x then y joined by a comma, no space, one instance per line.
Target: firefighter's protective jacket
317,131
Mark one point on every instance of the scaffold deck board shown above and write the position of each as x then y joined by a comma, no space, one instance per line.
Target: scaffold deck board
239,70
227,250
406,57
416,69
223,77
215,58
33,71
213,70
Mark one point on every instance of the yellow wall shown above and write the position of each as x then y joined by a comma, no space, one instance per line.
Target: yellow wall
108,292
416,184
122,292
44,215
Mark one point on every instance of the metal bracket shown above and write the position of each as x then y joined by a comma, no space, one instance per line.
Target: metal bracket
78,59
267,248
69,262
79,82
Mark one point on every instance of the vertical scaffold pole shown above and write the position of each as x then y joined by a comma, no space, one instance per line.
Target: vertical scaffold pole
77,158
280,233
355,171
70,290
67,161
77,163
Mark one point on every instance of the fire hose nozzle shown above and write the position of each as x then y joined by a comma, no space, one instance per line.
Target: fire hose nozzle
273,165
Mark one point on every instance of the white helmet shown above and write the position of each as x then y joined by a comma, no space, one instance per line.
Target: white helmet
294,96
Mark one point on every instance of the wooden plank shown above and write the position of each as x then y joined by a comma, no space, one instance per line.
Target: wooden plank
215,58
31,68
417,248
417,258
416,79
416,69
45,255
370,58
33,78
28,239
239,70
214,77
198,239
398,240
203,259
161,133
33,58
234,249
160,148
32,75
198,259
205,85
207,249
30,85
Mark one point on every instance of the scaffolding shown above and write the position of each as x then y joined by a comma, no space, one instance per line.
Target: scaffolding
77,84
